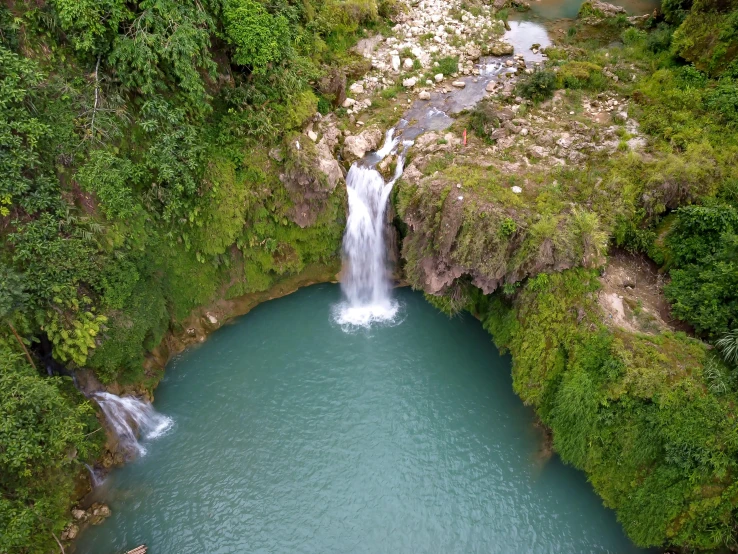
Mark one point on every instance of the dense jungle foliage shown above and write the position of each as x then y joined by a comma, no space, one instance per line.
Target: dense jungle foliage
135,184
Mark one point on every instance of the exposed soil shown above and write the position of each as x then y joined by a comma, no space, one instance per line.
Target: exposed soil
632,295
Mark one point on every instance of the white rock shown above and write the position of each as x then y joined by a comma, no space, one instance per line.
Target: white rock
461,197
395,62
312,135
424,95
357,88
409,83
407,64
348,102
459,84
524,131
428,82
435,18
517,190
212,319
438,77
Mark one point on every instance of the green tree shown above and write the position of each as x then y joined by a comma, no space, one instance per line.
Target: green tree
259,37
166,47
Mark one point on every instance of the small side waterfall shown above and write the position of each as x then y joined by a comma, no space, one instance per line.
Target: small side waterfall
365,282
130,417
95,478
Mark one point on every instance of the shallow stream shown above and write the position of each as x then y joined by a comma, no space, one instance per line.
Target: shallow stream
291,435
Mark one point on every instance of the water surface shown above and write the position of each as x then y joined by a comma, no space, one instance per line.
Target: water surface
557,9
292,436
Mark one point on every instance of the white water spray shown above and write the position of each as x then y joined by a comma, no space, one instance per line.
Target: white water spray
130,417
365,280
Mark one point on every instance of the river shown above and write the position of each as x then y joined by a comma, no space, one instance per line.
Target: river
292,435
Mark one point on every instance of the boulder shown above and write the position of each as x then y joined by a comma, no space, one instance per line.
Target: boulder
473,51
70,532
459,84
536,151
491,86
395,61
501,48
312,135
565,141
498,134
348,102
357,88
355,147
504,114
407,64
98,513
78,514
366,46
438,77
424,95
409,83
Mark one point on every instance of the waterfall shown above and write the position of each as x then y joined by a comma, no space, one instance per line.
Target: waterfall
365,281
95,478
130,417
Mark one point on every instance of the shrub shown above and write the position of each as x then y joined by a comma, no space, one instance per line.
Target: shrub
448,65
581,75
703,244
723,100
675,10
110,178
538,86
483,119
728,346
259,37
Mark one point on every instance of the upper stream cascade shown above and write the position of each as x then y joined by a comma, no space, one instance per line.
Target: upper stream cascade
130,417
365,280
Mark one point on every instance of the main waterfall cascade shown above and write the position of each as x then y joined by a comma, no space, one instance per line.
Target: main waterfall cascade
365,280
131,417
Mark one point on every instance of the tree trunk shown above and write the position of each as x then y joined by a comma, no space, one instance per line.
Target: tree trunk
23,346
